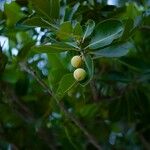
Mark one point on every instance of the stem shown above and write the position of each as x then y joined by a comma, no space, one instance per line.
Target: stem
31,71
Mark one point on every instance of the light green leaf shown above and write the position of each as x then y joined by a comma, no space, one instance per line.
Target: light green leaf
65,31
89,28
77,31
105,33
132,11
13,13
114,51
66,83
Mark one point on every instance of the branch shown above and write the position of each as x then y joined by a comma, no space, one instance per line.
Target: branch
30,70
144,142
145,27
24,113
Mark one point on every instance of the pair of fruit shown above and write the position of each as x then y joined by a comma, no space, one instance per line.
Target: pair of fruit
79,74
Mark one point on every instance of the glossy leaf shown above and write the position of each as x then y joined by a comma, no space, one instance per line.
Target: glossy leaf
105,32
117,50
89,28
53,48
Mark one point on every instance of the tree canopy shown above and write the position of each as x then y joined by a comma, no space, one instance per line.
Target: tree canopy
101,102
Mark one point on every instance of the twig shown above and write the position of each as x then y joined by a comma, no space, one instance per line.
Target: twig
30,70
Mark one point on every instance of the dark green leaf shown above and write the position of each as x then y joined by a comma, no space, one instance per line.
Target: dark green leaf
105,33
47,9
53,48
113,51
36,22
65,31
67,82
55,76
89,66
89,110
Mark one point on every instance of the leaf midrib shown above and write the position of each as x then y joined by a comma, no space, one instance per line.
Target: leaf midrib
94,43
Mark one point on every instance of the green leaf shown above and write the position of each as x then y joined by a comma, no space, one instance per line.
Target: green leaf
13,13
54,61
89,67
88,111
89,28
55,6
25,50
47,9
134,63
35,22
77,31
129,24
105,33
66,83
73,44
54,77
65,31
53,48
10,75
132,11
113,51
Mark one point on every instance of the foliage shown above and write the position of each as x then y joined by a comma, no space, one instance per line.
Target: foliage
41,104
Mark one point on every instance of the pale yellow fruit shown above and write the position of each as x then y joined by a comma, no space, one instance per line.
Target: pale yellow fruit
79,74
76,61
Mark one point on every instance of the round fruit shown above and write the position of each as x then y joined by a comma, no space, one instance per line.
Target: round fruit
79,74
76,61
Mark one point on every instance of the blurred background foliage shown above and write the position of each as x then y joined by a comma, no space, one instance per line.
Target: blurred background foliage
114,106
